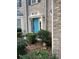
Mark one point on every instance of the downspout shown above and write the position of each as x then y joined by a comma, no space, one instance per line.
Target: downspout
27,14
52,7
46,14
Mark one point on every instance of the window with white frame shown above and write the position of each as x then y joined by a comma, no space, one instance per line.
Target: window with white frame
18,23
19,3
32,2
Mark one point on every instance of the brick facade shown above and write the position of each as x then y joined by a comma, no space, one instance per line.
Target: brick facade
57,27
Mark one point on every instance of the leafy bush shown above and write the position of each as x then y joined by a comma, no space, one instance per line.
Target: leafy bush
54,56
31,38
45,36
21,43
42,54
36,55
19,30
19,34
26,56
39,55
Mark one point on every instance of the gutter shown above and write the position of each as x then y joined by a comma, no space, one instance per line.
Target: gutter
46,14
27,15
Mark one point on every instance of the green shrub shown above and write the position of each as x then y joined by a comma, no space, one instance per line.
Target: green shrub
19,30
39,55
21,43
31,38
42,54
45,36
36,55
54,56
26,56
19,34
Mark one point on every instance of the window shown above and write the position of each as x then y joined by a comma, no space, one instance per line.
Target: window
18,23
19,3
31,2
34,1
40,25
19,13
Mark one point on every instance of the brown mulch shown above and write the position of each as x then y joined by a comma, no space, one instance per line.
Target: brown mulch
37,46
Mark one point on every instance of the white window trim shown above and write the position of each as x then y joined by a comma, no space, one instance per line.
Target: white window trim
34,3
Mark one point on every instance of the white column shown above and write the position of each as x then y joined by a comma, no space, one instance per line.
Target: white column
29,24
22,24
41,19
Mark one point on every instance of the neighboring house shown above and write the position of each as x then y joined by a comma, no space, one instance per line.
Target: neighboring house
22,15
39,15
34,15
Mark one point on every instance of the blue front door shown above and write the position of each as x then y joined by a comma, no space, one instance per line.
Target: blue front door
36,24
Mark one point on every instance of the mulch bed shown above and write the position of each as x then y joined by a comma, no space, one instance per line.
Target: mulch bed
37,46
